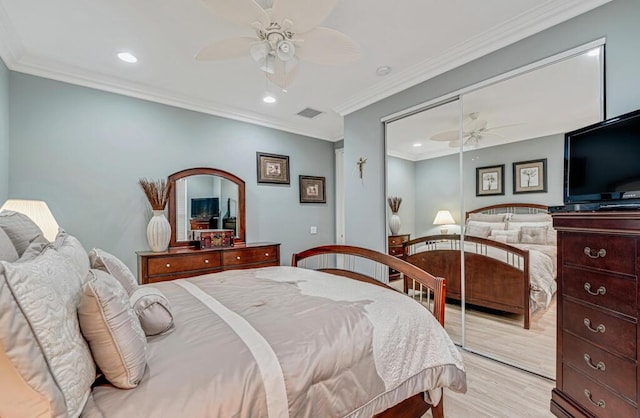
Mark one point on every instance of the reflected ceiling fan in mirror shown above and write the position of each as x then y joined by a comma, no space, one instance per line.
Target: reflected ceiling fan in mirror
286,32
473,131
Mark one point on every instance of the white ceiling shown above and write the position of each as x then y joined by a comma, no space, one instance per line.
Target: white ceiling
553,99
77,41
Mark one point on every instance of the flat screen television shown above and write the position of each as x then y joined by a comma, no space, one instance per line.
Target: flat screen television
205,207
602,164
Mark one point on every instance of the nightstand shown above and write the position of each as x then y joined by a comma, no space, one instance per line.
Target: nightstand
395,249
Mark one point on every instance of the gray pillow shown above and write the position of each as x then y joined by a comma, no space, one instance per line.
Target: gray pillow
35,248
152,309
533,235
7,250
20,229
478,230
70,248
111,264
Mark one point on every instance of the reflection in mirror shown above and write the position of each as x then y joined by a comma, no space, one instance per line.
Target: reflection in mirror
426,174
205,198
514,122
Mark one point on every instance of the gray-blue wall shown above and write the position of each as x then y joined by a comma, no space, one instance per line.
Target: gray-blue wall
402,183
364,134
83,151
4,132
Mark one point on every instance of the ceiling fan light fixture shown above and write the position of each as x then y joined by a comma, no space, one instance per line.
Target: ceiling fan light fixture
260,50
269,98
127,57
285,50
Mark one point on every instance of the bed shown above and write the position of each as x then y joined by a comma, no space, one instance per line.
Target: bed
263,342
510,259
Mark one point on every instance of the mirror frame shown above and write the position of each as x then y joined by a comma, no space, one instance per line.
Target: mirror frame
240,237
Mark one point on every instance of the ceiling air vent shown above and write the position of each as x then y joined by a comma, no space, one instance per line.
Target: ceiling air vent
309,113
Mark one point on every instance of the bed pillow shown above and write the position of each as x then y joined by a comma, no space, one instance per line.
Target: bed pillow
34,249
7,250
511,236
40,331
494,226
478,230
152,309
533,217
113,331
485,217
111,264
20,229
72,250
533,234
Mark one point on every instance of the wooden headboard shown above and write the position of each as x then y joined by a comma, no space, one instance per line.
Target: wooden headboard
523,208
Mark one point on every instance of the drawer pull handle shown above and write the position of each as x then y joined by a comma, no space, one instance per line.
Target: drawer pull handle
238,258
601,253
168,265
601,290
600,403
266,254
601,328
206,261
600,366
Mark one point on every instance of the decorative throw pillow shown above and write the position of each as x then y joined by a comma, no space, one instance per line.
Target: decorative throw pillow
72,250
35,248
485,217
7,250
152,309
517,225
478,231
40,332
533,235
512,236
20,229
494,226
111,264
552,236
499,238
113,331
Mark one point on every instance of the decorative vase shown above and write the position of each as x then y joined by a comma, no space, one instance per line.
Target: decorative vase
394,223
158,232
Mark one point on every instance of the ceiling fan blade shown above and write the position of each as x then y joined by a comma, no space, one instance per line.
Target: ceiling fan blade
491,128
446,136
240,12
226,49
476,125
284,73
327,46
304,14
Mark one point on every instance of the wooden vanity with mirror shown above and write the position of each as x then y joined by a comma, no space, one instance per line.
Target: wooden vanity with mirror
205,199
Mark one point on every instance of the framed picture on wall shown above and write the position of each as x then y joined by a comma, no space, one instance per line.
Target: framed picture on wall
490,180
312,189
273,168
530,176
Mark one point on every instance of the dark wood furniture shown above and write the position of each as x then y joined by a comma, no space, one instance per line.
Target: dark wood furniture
179,262
597,330
489,282
395,248
414,406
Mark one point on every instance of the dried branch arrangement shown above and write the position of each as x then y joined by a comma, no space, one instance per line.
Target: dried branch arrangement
157,192
394,203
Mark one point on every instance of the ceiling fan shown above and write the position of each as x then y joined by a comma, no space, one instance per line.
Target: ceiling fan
474,129
286,32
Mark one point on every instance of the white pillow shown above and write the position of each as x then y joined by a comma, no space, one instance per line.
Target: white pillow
478,230
152,309
485,217
494,226
71,249
113,331
533,234
111,264
517,225
533,217
511,236
7,250
20,229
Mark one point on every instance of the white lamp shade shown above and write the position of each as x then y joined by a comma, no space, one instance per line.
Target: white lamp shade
443,217
39,213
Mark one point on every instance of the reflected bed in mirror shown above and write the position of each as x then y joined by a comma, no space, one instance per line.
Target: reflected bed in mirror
203,199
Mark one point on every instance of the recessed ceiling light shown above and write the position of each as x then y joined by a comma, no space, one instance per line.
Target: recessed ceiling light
268,98
384,70
417,145
127,57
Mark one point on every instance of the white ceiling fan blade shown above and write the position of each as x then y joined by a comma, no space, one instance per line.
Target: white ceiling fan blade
446,136
240,12
491,128
226,49
284,73
305,14
327,46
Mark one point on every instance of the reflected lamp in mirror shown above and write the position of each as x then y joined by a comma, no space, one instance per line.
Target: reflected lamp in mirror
444,218
38,212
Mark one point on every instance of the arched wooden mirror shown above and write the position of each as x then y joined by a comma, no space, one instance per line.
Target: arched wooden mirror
205,198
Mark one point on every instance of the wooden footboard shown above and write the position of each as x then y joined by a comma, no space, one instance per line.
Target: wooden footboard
502,284
355,262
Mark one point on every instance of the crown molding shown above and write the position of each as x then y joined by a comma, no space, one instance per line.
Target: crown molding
535,20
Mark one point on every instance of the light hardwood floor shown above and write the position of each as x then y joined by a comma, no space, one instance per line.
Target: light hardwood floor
495,390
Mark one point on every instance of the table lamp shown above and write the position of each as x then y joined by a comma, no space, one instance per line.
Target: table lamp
444,218
39,213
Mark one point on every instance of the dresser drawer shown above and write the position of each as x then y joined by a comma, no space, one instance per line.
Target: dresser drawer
603,367
395,251
398,239
604,290
183,263
251,256
612,333
589,394
616,254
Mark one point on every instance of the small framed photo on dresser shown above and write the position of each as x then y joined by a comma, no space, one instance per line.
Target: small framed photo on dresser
312,189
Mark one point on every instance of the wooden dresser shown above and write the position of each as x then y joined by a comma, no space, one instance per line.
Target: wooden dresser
597,330
179,262
394,245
